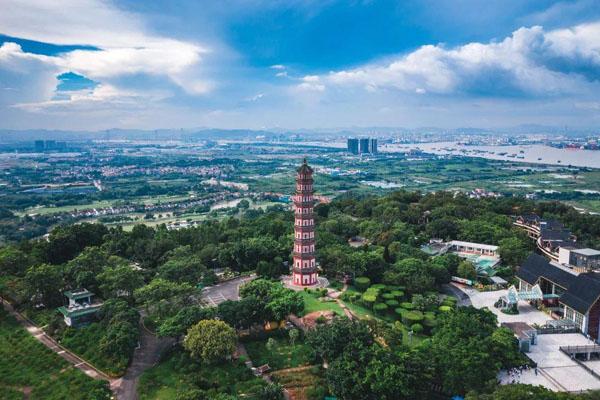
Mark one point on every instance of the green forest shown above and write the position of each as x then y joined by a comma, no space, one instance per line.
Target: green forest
408,342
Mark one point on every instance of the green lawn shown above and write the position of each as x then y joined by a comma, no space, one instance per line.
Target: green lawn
179,374
282,355
26,363
312,304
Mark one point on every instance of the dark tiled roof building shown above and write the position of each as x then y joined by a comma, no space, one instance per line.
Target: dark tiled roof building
575,295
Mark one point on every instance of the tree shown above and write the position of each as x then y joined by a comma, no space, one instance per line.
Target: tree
177,325
330,341
45,283
121,280
160,289
294,334
465,351
210,341
466,270
513,251
411,273
12,261
271,270
82,271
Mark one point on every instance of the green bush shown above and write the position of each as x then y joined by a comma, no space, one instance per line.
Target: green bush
362,283
380,307
400,311
398,294
412,317
392,303
388,296
407,305
369,299
445,308
378,286
416,328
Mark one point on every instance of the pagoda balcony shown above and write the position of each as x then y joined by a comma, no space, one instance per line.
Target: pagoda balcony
298,215
306,270
305,241
302,254
307,228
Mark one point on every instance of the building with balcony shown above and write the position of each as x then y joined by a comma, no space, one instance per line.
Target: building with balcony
81,309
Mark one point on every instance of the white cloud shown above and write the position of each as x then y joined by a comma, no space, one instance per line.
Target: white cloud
125,47
530,62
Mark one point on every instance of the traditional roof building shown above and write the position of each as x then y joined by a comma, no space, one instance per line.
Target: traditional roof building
573,296
304,267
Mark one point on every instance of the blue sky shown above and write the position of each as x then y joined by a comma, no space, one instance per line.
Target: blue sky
96,65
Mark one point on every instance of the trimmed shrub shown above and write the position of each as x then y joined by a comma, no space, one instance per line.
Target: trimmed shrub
400,311
392,303
416,328
406,305
397,294
445,308
450,299
362,283
412,317
369,299
387,296
378,286
380,307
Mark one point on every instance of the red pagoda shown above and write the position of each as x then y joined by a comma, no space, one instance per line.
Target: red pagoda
304,269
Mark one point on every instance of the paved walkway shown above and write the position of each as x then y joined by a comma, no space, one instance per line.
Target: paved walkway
50,343
146,356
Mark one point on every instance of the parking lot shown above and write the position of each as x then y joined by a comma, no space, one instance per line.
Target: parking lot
229,290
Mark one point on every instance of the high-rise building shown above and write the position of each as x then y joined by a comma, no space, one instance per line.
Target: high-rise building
39,146
353,146
373,146
364,145
304,268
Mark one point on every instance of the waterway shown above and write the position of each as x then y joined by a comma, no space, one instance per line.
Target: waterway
536,153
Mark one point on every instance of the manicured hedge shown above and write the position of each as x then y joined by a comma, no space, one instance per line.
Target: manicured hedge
400,311
445,308
387,296
416,328
380,307
392,303
369,298
362,283
407,305
412,317
378,286
397,293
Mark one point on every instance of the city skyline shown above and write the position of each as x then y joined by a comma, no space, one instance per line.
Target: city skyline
97,65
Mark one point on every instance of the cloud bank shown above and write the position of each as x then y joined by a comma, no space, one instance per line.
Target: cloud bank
530,62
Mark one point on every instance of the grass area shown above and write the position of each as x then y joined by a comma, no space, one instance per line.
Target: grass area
86,341
312,304
179,374
282,355
27,364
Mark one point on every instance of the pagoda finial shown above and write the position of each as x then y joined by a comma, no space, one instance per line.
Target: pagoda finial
305,161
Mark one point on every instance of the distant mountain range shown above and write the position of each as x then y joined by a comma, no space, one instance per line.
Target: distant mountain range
12,136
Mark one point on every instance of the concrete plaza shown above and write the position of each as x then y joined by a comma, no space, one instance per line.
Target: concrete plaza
556,370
